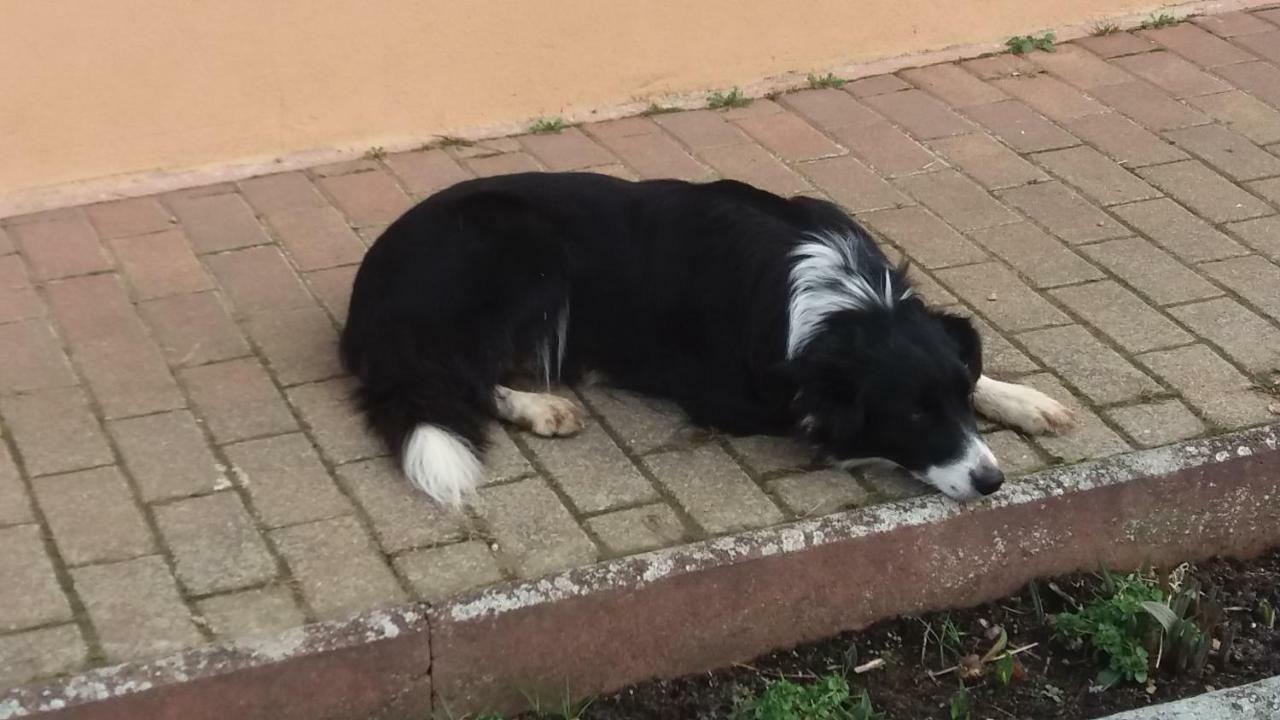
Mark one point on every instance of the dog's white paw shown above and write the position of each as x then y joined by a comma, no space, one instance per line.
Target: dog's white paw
1021,407
541,413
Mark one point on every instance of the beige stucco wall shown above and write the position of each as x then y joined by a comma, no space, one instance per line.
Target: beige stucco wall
94,88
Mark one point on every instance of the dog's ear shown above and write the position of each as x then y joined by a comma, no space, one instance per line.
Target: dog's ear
968,342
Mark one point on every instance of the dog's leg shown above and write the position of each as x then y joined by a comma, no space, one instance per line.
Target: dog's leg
1021,407
542,413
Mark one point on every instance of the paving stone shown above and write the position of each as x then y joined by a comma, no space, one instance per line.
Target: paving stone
1050,96
346,167
483,148
337,426
1016,456
821,492
110,344
627,532
1259,78
534,531
237,400
193,329
160,264
1177,76
258,279
1211,385
1244,336
1150,270
437,574
1232,154
994,67
135,609
1016,307
617,170
875,85
55,431
1253,278
1093,368
789,137
890,483
251,614
957,200
167,456
1063,212
925,286
286,482
1261,234
1272,14
1243,113
1122,316
317,238
1080,67
1124,140
953,85
1157,423
1115,44
15,506
367,198
218,222
1090,439
1148,105
300,345
505,164
41,653
1197,45
923,237
852,184
282,192
656,155
1096,176
1265,45
921,115
1179,231
215,544
1046,262
701,129
402,516
886,148
1231,24
1269,189
31,358
30,594
127,218
425,172
332,288
504,460
338,568
592,470
61,248
712,489
18,299
568,149
1207,193
999,356
829,108
993,165
1020,127
753,165
93,516
769,453
642,423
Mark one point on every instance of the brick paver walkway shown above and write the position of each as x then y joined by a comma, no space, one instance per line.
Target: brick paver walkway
179,462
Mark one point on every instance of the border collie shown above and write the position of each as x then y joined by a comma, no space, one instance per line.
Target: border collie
756,314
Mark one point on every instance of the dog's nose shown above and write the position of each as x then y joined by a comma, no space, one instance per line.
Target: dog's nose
986,479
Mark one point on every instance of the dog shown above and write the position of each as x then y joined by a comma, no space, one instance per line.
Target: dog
756,314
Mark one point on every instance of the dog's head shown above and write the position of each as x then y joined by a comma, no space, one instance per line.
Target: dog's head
897,386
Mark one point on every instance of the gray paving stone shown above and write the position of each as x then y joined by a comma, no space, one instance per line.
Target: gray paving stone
1254,278
55,431
1015,455
436,574
15,506
643,424
820,492
1261,234
167,455
1244,336
504,461
287,484
592,470
216,545
338,567
1178,231
1151,271
1043,260
626,532
999,356
403,517
1063,212
1122,316
1096,370
93,516
255,613
1001,297
1157,423
41,653
768,453
534,531
713,490
890,483
1211,385
135,609
1090,439
30,594
337,426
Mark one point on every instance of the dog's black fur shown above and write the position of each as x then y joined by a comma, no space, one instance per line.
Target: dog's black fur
670,289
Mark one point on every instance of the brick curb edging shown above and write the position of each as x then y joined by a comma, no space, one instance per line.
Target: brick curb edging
1256,701
702,606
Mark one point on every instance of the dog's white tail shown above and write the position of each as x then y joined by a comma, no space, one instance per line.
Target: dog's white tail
441,464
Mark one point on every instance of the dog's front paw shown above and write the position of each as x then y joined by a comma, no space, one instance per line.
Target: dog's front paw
1022,408
555,416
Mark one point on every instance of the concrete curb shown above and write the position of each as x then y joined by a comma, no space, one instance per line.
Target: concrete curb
702,606
1255,701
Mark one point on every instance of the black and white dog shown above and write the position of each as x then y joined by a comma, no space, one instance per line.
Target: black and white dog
755,313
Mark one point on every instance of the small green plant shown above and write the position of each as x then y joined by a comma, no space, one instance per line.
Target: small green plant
829,698
732,99
825,81
1159,21
1105,28
451,141
547,125
1266,614
1005,668
961,704
947,637
377,152
656,109
1023,44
